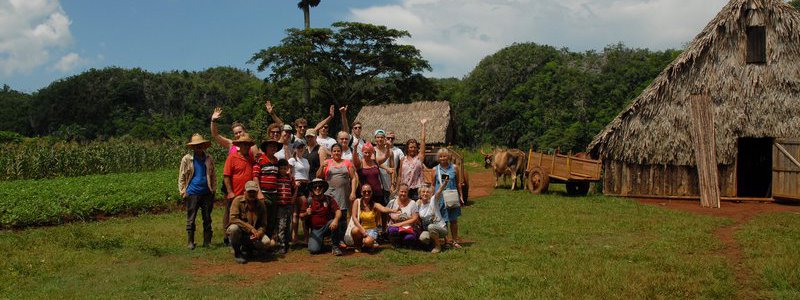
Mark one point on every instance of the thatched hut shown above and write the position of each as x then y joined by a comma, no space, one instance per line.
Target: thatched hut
720,120
404,120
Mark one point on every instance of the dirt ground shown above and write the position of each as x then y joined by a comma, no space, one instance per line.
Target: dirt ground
740,212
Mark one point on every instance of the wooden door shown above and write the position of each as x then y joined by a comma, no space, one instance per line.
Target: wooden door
786,169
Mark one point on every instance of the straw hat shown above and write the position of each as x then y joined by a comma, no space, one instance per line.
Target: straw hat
198,139
244,138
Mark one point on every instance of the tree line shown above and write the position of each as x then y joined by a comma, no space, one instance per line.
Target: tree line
523,95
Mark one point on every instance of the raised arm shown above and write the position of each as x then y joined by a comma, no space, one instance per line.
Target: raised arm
221,140
272,114
345,124
326,121
421,154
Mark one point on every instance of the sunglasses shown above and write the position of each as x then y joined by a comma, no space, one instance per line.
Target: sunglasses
366,192
357,127
317,187
389,138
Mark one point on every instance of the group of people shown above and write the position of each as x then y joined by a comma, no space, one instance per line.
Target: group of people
357,193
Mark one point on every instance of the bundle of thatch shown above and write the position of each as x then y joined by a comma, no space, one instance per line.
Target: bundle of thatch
404,120
750,100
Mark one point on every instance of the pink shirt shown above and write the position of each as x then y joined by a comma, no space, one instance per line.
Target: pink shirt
412,172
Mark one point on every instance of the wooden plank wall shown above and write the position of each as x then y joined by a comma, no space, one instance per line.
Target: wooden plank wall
661,180
785,173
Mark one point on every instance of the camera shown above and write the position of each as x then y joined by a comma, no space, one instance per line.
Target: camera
445,177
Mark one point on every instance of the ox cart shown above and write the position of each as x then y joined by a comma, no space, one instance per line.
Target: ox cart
576,171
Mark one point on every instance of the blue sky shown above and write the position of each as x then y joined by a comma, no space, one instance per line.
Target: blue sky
44,40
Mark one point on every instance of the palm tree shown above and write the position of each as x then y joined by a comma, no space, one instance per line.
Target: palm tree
306,6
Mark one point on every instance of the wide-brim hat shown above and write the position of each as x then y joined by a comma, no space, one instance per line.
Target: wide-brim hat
244,138
319,181
198,139
269,142
311,132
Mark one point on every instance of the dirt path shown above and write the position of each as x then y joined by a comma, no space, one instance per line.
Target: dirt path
740,213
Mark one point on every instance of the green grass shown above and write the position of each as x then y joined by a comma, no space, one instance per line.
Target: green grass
523,247
771,246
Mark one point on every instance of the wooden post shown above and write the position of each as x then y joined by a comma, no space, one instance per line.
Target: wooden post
704,140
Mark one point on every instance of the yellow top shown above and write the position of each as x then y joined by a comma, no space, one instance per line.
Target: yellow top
368,219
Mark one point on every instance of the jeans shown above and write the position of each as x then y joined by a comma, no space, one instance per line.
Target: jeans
284,220
204,203
316,240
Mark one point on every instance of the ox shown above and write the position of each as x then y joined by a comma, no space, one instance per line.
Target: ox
506,163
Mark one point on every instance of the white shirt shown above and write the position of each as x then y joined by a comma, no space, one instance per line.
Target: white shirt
328,142
398,156
348,154
409,210
301,167
429,213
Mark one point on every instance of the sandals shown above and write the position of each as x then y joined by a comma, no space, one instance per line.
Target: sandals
456,245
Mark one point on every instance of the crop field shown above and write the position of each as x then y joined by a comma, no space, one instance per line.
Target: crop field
516,246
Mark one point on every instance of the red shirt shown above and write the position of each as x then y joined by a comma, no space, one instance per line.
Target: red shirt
267,173
322,210
240,169
284,191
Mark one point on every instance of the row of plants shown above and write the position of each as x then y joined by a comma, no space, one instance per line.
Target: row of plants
38,158
26,203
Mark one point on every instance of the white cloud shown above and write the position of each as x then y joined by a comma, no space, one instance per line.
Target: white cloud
29,31
69,62
454,35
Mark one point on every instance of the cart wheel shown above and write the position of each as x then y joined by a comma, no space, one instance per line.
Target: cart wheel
538,180
577,188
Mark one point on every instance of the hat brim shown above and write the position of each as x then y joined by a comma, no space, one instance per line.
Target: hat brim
204,143
324,184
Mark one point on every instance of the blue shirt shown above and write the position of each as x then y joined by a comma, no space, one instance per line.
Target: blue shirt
199,183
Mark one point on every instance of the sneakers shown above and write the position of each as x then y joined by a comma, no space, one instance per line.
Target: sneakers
283,250
436,249
336,251
240,260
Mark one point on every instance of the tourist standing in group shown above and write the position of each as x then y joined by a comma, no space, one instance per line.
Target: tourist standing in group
285,139
300,168
411,167
403,226
452,198
267,172
344,141
237,172
366,215
325,218
341,177
197,183
397,153
248,226
237,129
284,206
312,153
356,141
434,226
383,152
300,124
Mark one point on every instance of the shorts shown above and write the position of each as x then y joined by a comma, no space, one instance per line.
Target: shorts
373,233
303,189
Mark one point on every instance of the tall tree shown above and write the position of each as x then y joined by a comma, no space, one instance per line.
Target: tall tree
353,63
306,6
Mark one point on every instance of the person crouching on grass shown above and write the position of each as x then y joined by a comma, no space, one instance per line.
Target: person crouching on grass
248,227
434,226
325,215
284,206
197,183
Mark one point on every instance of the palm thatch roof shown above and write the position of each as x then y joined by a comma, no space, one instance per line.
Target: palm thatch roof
404,120
750,100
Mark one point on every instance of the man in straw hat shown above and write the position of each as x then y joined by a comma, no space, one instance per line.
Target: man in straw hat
238,171
248,224
324,215
197,183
